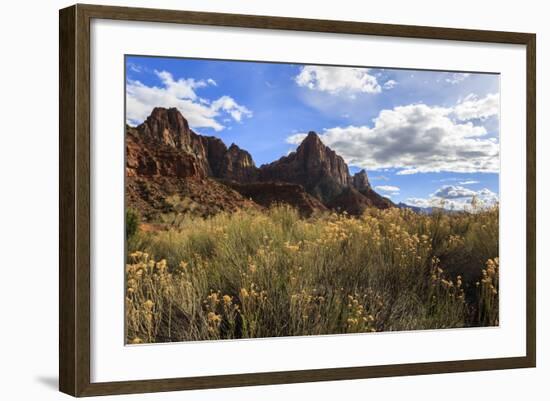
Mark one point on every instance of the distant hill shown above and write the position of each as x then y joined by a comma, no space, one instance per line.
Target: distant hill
417,209
428,210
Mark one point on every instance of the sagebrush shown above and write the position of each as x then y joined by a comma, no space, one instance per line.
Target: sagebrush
271,273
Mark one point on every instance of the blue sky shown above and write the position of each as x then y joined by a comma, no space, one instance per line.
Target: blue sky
424,137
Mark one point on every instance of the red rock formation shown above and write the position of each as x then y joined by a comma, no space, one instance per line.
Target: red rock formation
145,157
168,130
360,181
215,152
164,157
313,165
270,193
376,199
355,203
237,165
199,196
350,201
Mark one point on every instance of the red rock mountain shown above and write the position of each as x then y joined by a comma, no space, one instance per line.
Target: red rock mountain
355,202
237,165
167,131
269,193
167,160
313,165
360,181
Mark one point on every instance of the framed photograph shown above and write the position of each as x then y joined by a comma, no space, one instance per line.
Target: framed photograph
250,200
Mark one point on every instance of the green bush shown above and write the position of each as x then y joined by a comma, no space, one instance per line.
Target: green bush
132,222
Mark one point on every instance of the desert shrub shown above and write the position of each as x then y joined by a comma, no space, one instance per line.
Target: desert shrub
253,274
132,222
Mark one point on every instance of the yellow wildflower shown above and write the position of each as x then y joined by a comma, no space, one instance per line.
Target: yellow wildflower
148,305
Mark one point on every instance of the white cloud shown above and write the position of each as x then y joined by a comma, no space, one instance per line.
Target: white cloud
472,107
181,93
469,182
457,77
337,80
415,138
211,82
296,139
388,189
454,192
389,84
410,171
135,67
456,198
379,177
229,105
420,202
182,88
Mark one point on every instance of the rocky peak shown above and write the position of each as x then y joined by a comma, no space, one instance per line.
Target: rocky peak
166,131
311,141
237,153
147,157
313,165
166,126
360,181
312,149
316,157
237,165
215,151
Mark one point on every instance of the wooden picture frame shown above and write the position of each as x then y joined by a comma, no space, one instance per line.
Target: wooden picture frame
74,199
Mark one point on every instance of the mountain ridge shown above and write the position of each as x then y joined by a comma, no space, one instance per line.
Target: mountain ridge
312,178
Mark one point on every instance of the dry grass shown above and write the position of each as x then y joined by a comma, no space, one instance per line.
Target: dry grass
255,274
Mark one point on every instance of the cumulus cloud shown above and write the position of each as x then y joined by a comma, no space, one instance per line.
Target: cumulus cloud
180,93
473,107
337,80
456,198
211,82
388,189
229,105
457,77
413,139
454,192
390,84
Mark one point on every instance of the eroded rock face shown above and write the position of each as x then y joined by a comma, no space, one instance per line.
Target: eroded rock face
313,165
360,181
237,165
353,202
350,201
166,126
148,158
268,194
165,145
215,153
167,130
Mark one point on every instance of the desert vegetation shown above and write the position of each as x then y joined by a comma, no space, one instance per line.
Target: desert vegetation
269,272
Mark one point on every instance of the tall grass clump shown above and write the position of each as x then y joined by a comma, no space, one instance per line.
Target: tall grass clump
253,274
